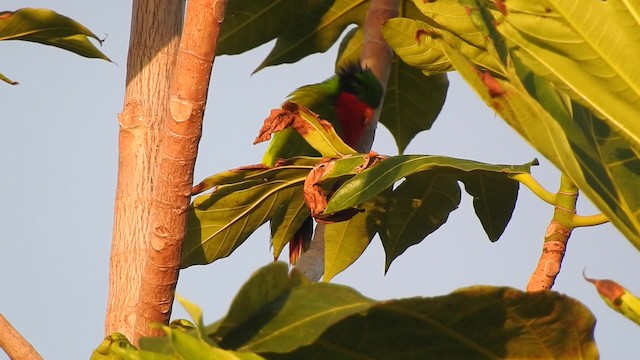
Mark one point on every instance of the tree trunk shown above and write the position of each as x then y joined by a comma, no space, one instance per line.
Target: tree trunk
177,157
155,30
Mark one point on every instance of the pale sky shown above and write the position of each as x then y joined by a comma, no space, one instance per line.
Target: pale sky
58,153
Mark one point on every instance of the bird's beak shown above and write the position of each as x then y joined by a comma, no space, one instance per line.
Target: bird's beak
368,114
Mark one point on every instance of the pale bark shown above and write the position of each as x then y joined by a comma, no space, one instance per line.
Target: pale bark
14,344
178,150
377,56
155,29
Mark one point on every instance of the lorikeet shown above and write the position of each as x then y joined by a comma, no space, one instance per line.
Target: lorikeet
348,100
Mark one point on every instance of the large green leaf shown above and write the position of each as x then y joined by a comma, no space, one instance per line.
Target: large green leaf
589,51
249,24
317,31
371,182
474,323
609,167
591,152
416,208
50,28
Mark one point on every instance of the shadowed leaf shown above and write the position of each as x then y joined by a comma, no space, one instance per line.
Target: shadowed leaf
417,207
296,319
317,31
494,198
474,323
249,24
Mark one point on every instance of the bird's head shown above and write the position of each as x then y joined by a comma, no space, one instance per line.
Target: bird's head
360,82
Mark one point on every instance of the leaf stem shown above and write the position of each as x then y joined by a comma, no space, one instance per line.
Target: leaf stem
589,220
533,185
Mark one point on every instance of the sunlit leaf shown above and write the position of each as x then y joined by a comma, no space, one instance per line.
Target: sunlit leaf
416,44
50,28
372,181
584,50
345,241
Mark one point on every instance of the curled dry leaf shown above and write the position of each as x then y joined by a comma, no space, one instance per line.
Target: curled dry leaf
314,195
285,117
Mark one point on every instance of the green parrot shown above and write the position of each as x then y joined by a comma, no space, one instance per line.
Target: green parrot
348,100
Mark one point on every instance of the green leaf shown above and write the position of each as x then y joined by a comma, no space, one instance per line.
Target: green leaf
416,208
494,198
287,221
415,42
323,137
608,166
345,241
480,322
412,102
249,24
219,222
194,311
317,31
372,181
108,348
189,346
49,28
263,287
588,51
296,318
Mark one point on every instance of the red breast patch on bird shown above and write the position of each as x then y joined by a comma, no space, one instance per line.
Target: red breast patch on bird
353,115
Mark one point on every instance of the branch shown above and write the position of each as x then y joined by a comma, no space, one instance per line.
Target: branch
376,55
556,237
178,151
13,344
